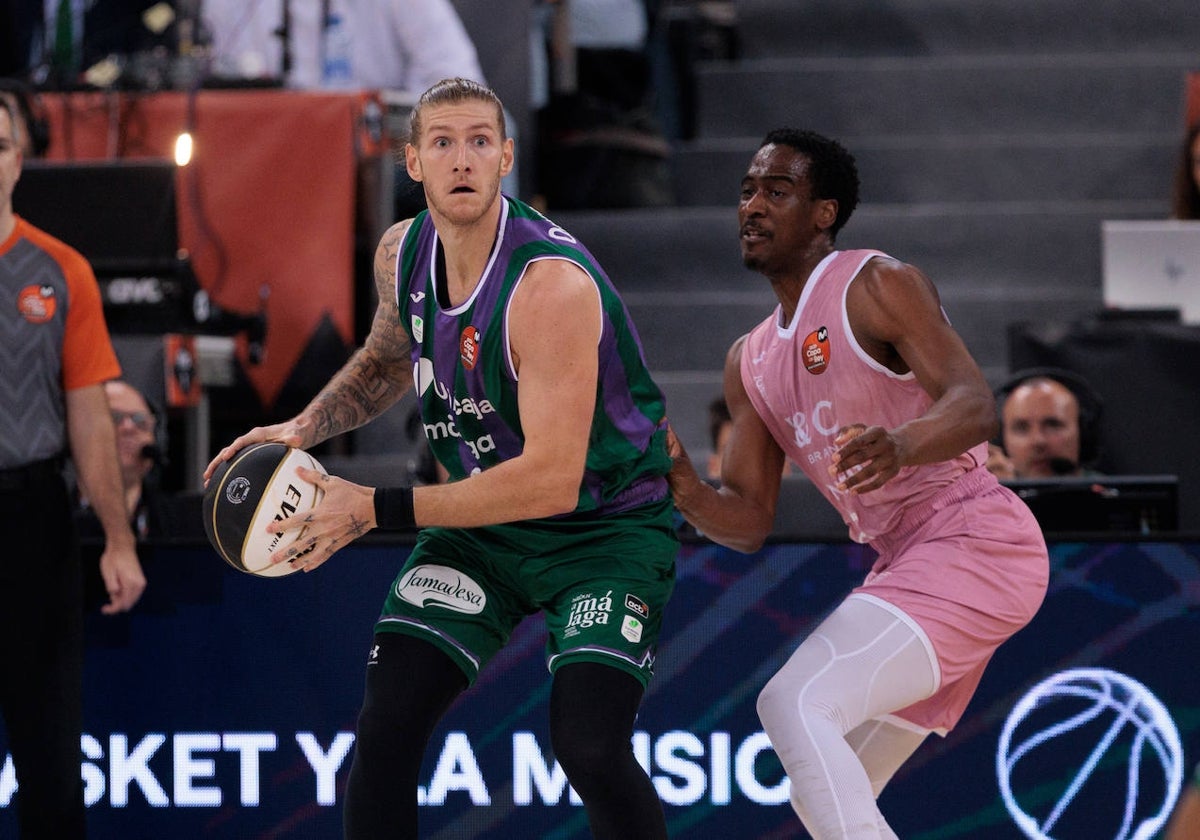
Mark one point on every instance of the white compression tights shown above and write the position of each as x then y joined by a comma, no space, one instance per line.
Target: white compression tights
822,711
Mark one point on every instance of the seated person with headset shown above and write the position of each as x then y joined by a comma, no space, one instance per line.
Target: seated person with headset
1049,421
140,450
1048,449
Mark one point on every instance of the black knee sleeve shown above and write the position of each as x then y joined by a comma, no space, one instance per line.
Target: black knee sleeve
409,685
592,711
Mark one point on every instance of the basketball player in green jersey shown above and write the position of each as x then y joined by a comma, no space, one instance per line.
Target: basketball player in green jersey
536,399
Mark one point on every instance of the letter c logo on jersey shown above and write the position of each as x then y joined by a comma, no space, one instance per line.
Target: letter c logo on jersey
816,351
37,304
468,347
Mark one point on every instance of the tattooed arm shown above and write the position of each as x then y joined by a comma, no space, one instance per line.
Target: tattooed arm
379,372
374,378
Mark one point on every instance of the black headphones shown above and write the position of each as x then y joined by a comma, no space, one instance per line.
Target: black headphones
30,105
1091,406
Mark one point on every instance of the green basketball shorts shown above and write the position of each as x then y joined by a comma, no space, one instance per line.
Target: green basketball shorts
601,583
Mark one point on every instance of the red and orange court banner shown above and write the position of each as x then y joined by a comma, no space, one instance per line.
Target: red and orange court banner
266,206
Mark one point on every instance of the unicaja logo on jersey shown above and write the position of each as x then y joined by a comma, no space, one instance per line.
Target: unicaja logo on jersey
443,586
1089,753
423,375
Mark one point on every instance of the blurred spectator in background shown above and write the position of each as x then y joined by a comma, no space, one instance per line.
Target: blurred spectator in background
155,515
1186,199
614,84
687,33
389,45
121,26
16,37
141,451
41,41
1049,426
600,141
51,42
404,45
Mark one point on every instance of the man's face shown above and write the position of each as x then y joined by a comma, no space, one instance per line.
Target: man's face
1041,429
135,425
778,220
10,160
460,159
22,127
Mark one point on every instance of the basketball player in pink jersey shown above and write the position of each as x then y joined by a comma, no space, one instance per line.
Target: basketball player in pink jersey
858,378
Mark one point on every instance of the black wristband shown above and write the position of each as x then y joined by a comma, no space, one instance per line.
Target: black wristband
394,508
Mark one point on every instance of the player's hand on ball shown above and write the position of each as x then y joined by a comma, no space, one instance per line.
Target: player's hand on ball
256,486
294,433
346,512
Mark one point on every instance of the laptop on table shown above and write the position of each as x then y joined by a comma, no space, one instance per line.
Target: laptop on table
1152,264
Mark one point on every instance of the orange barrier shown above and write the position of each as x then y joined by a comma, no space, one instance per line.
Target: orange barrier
268,202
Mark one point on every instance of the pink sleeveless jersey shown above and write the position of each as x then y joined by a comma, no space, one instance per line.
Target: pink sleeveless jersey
809,378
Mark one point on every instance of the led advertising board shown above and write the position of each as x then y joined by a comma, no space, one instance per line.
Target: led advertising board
224,706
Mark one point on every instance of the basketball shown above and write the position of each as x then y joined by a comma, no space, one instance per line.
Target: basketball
256,486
